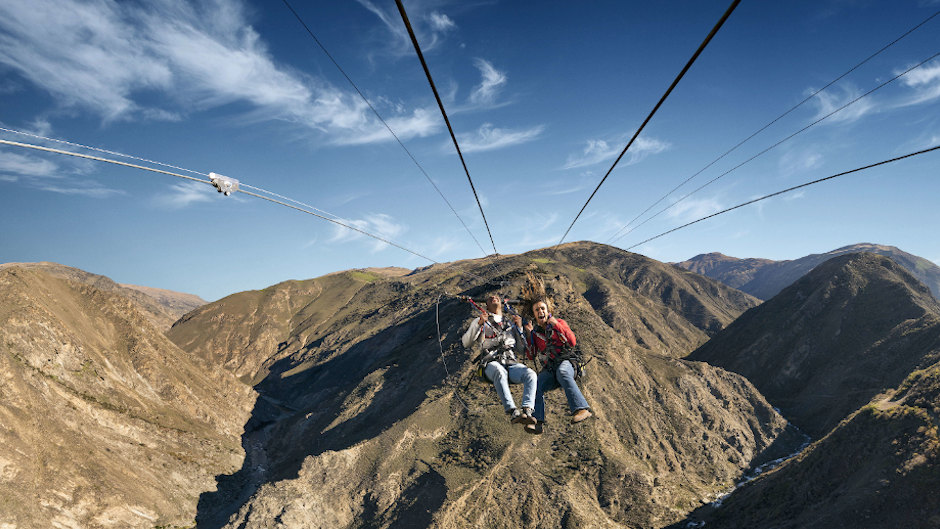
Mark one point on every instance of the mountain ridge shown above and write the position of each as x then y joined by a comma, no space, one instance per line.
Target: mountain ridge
764,278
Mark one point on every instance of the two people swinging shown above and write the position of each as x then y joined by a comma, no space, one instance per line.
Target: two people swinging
548,341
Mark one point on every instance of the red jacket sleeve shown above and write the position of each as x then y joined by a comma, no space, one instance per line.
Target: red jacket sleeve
563,328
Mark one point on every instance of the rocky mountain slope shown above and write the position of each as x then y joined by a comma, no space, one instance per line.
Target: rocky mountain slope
764,278
850,329
366,420
161,307
879,468
105,422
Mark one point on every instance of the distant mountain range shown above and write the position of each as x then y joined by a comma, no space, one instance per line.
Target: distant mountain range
764,278
347,401
161,307
850,353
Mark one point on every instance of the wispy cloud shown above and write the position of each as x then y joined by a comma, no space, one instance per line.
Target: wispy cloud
441,22
185,194
924,83
379,224
694,208
602,150
429,26
108,57
40,173
832,100
493,81
488,138
795,162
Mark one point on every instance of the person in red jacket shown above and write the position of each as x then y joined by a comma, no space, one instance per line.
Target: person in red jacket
550,343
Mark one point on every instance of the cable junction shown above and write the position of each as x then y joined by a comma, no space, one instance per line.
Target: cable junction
776,119
387,126
787,190
675,82
807,127
440,104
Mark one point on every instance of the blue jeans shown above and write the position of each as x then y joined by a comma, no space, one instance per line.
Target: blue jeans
562,377
515,374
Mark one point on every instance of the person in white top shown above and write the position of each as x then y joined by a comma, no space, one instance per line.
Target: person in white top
498,341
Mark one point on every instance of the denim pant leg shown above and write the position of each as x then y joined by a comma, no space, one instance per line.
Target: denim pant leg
520,374
565,376
497,373
545,382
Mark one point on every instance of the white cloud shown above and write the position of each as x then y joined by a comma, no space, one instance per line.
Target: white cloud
378,224
799,161
830,102
488,138
693,209
924,83
105,57
421,123
21,165
600,150
185,194
441,22
492,82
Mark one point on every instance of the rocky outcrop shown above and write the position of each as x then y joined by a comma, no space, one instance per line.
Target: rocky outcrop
106,423
852,328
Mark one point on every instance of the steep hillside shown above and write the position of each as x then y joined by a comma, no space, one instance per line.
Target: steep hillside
878,468
764,278
161,307
852,328
106,423
366,420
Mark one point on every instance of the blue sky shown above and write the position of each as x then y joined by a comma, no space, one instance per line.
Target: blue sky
542,96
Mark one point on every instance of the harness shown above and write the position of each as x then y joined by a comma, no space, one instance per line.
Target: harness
555,354
501,353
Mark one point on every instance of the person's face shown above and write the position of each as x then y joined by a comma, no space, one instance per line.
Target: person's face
493,305
540,310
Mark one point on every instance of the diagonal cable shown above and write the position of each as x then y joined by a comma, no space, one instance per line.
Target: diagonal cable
787,190
427,72
776,119
675,82
379,116
807,127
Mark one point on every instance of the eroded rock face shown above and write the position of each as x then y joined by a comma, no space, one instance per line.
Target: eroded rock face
359,424
105,422
852,328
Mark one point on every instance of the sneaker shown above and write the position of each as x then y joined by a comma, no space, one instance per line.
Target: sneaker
580,415
528,416
515,416
535,429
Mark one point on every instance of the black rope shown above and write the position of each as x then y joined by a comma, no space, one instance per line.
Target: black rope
787,190
427,72
675,82
843,107
762,129
387,126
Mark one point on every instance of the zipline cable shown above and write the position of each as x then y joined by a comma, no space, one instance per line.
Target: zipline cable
249,193
843,107
427,72
675,82
387,126
131,157
776,119
787,190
